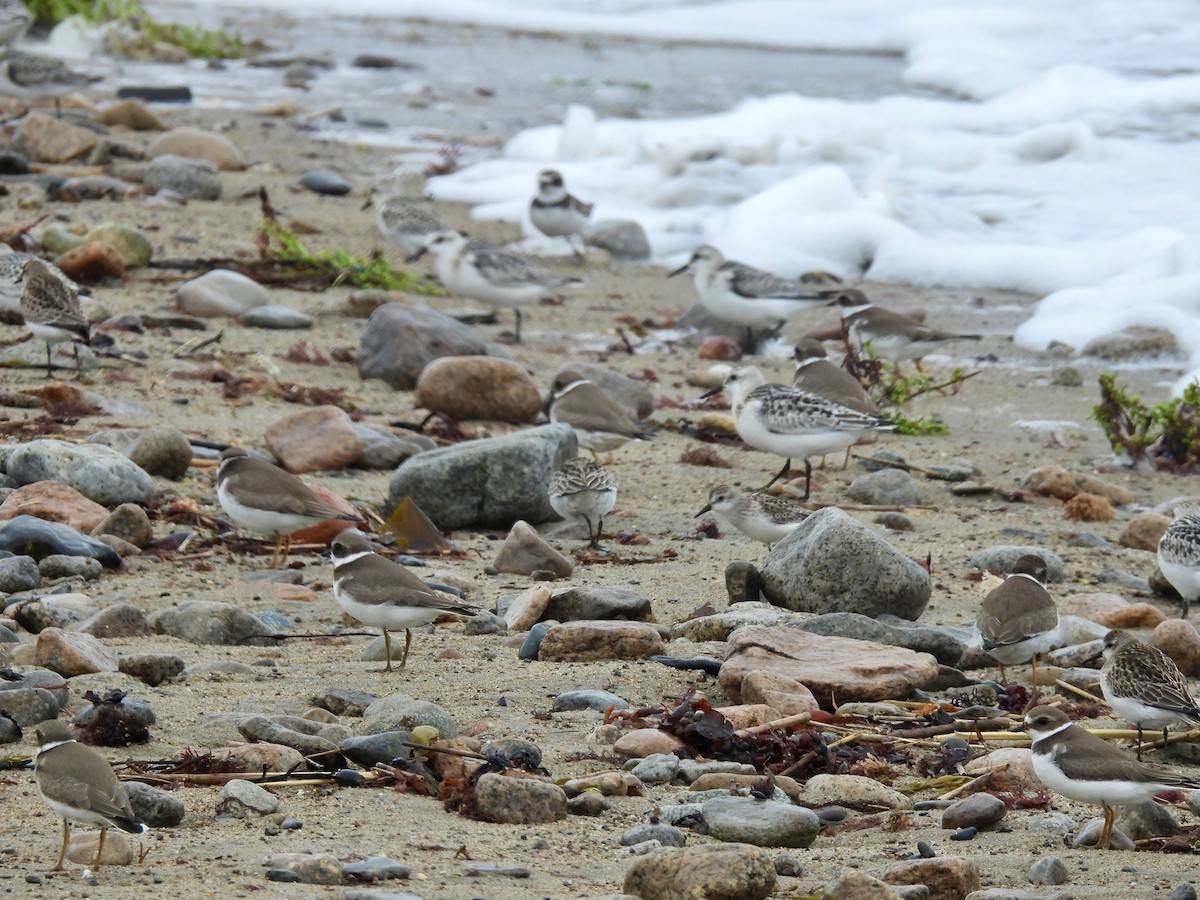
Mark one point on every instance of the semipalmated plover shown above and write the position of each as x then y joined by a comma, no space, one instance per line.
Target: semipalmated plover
31,77
263,498
744,295
1019,619
601,424
818,374
379,592
1143,685
479,271
893,336
583,489
51,309
1075,763
556,213
78,784
788,422
758,515
405,221
1179,554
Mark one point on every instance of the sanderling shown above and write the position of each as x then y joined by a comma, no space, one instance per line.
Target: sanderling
14,20
1019,619
377,591
261,497
405,221
51,309
1143,685
556,213
31,77
892,335
758,515
780,419
747,296
583,489
479,271
12,277
1179,554
1077,764
601,424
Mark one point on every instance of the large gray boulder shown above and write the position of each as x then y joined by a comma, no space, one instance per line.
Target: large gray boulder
489,483
401,339
99,473
834,563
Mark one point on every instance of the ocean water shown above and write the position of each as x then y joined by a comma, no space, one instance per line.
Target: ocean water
1047,148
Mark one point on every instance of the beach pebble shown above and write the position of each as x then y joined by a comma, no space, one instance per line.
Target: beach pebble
368,749
303,868
10,731
1179,639
666,835
48,139
197,143
62,565
486,483
591,641
645,742
531,646
276,317
623,238
313,440
129,522
156,808
946,646
375,868
589,803
1002,557
525,552
834,563
849,790
1182,891
887,487
99,473
117,620
91,262
384,450
325,181
70,654
1147,820
1089,836
730,871
206,622
596,699
399,712
518,801
598,602
162,451
53,501
196,179
29,705
479,387
401,339
132,243
854,884
978,811
1143,531
151,668
718,626
750,821
220,292
1055,481
240,799
945,876
13,163
19,573
82,846
131,113
343,701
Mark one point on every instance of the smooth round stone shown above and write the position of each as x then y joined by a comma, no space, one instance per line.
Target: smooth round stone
519,801
965,834
657,768
666,835
589,803
375,868
39,539
976,811
369,749
789,865
19,573
399,712
196,179
29,705
275,316
925,851
513,750
1049,870
240,798
58,565
599,700
831,815
532,645
156,808
348,778
323,181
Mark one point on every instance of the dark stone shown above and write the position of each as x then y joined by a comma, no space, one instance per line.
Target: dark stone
323,181
30,536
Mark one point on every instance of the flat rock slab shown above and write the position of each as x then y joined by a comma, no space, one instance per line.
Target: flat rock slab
830,667
590,641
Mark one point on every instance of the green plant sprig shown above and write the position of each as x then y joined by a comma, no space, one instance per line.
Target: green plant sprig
1168,432
141,33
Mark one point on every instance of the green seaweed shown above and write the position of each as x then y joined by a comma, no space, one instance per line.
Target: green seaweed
1168,433
140,33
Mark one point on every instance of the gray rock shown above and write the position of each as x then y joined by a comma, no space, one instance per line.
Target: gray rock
789,865
98,472
589,803
636,396
10,731
714,872
690,769
399,713
596,699
151,668
1182,891
325,181
484,622
130,523
764,824
304,868
375,868
853,884
978,810
118,620
1089,836
600,602
1049,870
60,565
207,622
240,799
532,645
35,616
29,705
276,317
384,450
657,768
1147,820
1003,557
519,801
368,749
666,835
370,894
196,179
929,639
833,563
718,626
19,573
489,483
505,870
166,452
156,808
887,487
623,238
343,701
221,292
401,339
